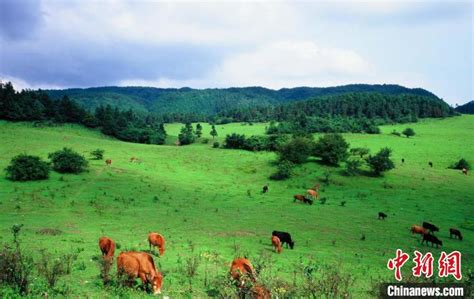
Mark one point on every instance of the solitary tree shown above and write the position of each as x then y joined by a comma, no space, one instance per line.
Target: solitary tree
381,162
408,132
213,131
331,148
187,134
198,130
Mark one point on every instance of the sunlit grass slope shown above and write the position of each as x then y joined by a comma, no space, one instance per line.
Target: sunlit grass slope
213,198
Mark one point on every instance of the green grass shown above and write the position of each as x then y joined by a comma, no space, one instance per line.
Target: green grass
203,197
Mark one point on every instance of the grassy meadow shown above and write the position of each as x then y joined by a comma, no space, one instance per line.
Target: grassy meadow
208,202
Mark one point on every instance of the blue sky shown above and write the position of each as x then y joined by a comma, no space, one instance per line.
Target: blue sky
60,44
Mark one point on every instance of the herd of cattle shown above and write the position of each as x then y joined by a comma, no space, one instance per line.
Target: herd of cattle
427,230
135,264
139,264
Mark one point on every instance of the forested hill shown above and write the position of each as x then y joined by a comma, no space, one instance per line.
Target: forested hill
467,108
212,101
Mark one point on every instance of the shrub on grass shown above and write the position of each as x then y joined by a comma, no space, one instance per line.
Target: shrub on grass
462,163
215,144
353,167
359,151
381,161
68,161
51,268
331,148
27,168
98,154
284,171
408,132
296,150
15,266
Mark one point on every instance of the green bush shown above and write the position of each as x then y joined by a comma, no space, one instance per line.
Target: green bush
462,163
353,167
381,162
98,154
284,171
331,148
408,132
296,150
235,141
68,161
359,151
27,168
215,144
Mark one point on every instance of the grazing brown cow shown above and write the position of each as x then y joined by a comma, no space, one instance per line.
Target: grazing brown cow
299,197
133,159
240,269
415,229
312,193
107,246
302,198
108,162
276,243
140,264
155,239
260,292
464,171
455,232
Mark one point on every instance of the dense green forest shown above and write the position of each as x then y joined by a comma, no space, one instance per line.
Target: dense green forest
384,107
195,104
29,105
467,108
352,108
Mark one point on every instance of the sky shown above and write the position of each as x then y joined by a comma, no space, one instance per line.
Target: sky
275,44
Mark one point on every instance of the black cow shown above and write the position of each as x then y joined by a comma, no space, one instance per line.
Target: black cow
431,227
430,164
284,238
403,160
431,239
455,232
382,215
265,189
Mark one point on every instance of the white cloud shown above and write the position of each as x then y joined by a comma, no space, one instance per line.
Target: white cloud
290,63
276,65
20,84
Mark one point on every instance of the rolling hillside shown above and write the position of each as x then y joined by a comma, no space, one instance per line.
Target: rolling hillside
213,101
208,204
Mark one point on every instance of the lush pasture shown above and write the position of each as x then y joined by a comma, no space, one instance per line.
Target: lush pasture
212,198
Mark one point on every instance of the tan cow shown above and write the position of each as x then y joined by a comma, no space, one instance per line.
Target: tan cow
156,240
276,243
240,269
415,229
107,247
140,265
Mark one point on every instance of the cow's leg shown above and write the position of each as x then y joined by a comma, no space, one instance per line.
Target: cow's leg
144,281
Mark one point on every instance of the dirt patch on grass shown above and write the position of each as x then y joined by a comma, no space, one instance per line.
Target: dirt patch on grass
235,234
49,231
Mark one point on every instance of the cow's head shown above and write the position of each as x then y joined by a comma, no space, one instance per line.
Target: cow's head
156,283
292,244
